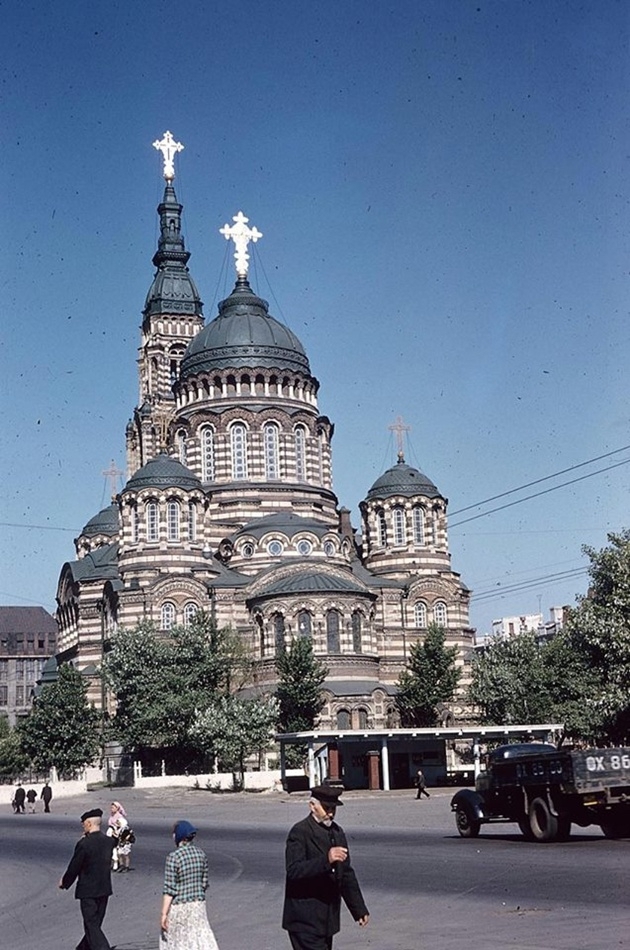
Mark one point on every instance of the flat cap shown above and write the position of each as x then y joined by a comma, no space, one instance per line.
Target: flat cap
93,813
327,794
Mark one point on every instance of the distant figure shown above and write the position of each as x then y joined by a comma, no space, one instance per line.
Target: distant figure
31,798
90,867
119,830
184,921
18,800
421,784
46,796
319,875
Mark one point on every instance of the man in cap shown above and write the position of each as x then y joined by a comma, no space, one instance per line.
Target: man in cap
319,874
90,867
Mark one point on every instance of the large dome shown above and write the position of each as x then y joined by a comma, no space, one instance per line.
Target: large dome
244,335
163,472
402,479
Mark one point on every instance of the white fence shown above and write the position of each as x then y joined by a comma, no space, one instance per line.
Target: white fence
265,781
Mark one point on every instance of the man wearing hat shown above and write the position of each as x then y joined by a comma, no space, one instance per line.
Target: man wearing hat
90,867
319,874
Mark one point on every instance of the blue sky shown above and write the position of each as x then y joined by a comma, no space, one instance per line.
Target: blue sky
443,193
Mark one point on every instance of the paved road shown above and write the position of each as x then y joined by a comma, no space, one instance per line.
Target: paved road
425,886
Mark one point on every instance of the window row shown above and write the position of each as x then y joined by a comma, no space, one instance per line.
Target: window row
168,614
416,527
421,614
238,435
277,547
334,622
174,518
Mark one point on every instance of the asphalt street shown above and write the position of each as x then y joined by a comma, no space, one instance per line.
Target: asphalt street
424,885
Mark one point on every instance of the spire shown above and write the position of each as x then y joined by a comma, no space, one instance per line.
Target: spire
173,289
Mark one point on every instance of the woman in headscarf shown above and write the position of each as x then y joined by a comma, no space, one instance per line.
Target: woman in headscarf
119,828
184,918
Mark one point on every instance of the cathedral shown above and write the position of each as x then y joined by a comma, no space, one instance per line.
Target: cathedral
229,506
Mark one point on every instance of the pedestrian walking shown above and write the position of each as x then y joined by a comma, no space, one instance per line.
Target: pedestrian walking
119,829
46,796
319,875
421,784
184,921
18,800
90,867
31,798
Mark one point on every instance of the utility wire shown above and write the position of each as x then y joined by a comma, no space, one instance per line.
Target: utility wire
547,580
537,494
538,481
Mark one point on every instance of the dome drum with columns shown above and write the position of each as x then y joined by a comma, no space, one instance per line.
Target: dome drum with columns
229,504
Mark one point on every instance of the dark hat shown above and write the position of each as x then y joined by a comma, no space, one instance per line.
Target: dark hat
93,813
327,794
184,829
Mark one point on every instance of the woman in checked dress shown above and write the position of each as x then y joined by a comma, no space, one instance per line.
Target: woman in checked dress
184,922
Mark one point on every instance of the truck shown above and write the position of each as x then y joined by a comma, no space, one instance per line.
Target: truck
545,790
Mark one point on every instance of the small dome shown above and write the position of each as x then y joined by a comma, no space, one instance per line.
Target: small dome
244,335
105,522
163,472
402,479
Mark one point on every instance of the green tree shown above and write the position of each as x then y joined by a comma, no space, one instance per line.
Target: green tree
299,692
62,730
231,729
13,760
508,682
431,677
161,682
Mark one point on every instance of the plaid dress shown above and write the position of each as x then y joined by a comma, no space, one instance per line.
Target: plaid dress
186,880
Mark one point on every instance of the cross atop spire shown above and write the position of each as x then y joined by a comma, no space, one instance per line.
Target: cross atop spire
241,235
168,147
112,474
400,428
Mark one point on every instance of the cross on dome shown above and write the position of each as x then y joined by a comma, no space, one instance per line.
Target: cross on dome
241,235
168,147
400,428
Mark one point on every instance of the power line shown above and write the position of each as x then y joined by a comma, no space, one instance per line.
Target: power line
537,494
38,527
538,481
549,579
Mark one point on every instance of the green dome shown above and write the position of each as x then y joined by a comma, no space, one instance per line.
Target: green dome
105,522
163,472
244,335
402,479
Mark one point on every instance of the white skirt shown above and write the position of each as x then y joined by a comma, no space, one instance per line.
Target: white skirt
188,928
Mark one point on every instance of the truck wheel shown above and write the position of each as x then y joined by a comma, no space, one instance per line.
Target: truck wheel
467,826
526,830
543,825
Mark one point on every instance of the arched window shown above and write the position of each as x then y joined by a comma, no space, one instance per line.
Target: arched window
440,616
192,521
168,615
399,525
134,525
357,625
418,525
270,438
300,453
172,524
381,525
151,512
420,615
180,441
305,624
332,631
278,632
238,437
189,612
207,454
343,719
362,718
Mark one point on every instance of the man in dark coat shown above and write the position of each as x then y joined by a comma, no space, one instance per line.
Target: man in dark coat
319,874
90,867
18,800
46,796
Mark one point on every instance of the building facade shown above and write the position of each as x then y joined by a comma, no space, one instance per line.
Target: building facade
229,506
28,637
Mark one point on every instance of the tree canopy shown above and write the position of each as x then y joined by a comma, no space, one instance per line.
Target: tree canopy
431,678
299,692
232,729
62,729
